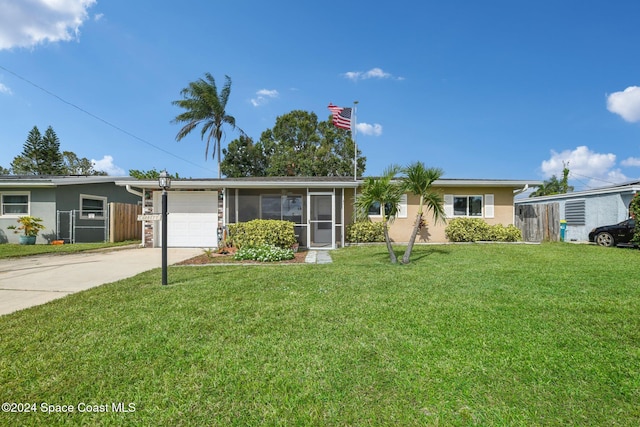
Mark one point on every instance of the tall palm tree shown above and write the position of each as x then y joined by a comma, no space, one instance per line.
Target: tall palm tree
386,193
419,180
205,106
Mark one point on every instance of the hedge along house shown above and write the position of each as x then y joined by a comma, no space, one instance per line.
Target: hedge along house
73,208
320,207
582,211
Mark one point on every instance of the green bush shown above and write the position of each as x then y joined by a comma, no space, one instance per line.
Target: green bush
476,229
365,232
263,232
263,253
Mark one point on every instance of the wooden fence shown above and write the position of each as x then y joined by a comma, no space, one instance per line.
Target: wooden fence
539,222
123,222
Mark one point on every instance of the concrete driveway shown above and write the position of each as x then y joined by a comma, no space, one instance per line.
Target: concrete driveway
29,281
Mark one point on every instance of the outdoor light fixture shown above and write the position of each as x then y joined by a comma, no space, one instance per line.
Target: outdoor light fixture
164,182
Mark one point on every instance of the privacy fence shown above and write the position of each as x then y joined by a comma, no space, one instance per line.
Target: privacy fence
539,222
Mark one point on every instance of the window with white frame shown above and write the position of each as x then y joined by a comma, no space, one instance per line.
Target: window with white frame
15,204
375,210
92,207
469,206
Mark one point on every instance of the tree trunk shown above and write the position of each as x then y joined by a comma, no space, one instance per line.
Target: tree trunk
392,254
412,240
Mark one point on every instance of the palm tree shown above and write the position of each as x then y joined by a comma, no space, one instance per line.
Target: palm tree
419,180
384,192
205,106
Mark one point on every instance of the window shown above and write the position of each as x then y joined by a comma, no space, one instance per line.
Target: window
15,204
287,208
469,206
374,209
92,207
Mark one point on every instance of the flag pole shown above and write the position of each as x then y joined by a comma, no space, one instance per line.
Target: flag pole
354,132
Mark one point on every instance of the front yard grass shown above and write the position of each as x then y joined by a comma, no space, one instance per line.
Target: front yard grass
487,335
11,250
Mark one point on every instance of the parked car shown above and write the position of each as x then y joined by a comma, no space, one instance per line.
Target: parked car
613,235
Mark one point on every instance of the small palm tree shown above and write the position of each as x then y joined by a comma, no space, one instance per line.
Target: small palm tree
205,106
385,192
419,180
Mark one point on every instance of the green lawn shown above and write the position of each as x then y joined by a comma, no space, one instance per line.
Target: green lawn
487,335
9,250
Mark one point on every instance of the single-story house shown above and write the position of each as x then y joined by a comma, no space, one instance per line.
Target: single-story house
584,210
73,208
321,207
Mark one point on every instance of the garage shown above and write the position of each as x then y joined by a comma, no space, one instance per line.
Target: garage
192,219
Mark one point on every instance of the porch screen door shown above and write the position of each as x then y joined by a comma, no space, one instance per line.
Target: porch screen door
321,220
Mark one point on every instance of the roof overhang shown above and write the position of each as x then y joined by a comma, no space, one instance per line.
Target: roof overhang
54,181
625,189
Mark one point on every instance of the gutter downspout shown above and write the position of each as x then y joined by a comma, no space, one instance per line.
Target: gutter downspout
522,190
141,195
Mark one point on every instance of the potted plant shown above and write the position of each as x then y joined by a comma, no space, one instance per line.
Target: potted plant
30,226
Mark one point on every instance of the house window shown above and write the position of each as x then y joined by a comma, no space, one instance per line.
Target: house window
15,204
467,206
287,208
92,207
574,212
374,209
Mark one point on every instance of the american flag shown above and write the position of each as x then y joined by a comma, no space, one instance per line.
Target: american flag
341,116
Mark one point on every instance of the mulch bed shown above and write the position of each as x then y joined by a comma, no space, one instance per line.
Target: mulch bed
217,258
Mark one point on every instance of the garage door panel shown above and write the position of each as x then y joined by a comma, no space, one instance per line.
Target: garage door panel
192,230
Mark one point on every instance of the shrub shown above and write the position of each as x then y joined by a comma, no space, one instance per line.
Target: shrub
476,229
263,232
365,232
263,253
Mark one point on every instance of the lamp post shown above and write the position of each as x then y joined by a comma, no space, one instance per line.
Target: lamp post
164,182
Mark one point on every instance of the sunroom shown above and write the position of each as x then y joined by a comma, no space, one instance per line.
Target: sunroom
320,207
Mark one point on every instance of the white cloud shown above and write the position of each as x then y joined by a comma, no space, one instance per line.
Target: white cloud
367,129
29,23
584,164
263,96
106,165
631,162
374,73
626,103
5,89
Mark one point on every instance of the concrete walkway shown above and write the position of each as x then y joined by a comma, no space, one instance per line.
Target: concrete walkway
29,281
318,257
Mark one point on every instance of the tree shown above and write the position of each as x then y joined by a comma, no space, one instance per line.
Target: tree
50,162
204,106
150,174
244,158
297,145
27,162
419,180
555,186
384,192
4,171
73,165
41,156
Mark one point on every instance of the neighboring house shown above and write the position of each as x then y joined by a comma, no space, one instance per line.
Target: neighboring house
73,208
321,207
584,210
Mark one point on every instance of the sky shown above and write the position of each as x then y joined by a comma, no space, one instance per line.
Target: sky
498,89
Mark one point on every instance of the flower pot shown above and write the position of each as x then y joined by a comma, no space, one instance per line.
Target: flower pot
27,240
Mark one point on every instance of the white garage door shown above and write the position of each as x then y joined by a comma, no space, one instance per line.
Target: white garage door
192,219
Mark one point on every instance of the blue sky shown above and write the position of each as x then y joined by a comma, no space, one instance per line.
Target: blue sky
493,89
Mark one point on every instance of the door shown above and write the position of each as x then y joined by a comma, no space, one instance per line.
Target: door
192,220
321,221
